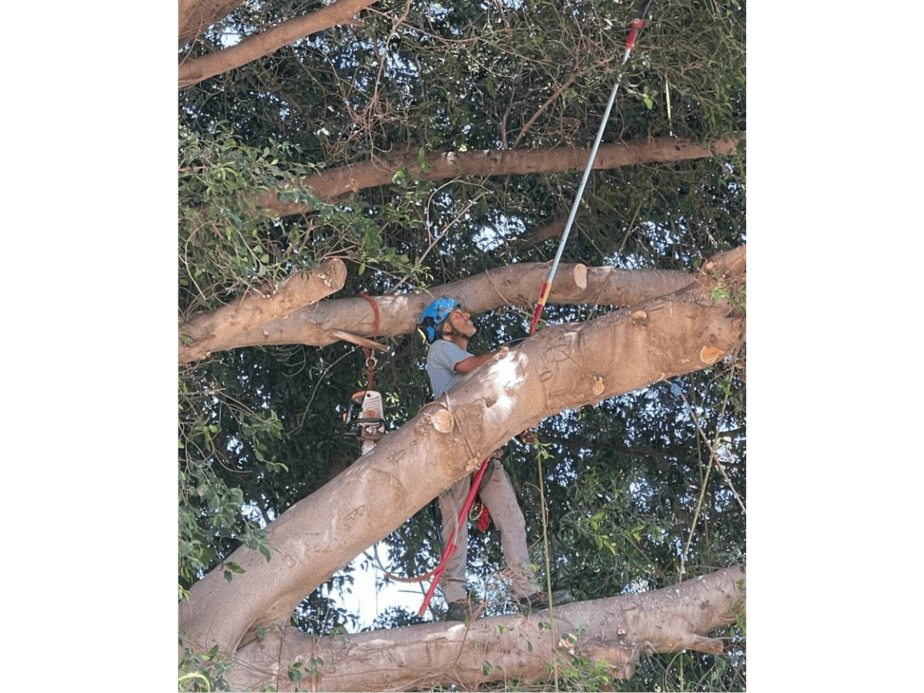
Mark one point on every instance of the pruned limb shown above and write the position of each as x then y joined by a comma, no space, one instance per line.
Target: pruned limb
217,331
516,285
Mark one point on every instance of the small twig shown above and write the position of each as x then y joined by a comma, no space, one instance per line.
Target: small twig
718,463
551,100
545,546
713,456
436,240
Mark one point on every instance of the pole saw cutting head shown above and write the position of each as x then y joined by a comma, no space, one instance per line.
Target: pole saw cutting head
364,419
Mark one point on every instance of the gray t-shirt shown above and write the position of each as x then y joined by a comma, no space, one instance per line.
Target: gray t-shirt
441,361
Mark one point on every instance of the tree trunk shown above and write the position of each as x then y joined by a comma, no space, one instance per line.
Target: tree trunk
516,285
561,367
501,648
335,183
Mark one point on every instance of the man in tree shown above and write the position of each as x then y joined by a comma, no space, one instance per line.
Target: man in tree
448,328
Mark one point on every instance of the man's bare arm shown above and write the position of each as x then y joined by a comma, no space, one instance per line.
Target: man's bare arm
472,362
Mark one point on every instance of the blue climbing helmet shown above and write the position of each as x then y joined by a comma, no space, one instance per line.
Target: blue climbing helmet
433,316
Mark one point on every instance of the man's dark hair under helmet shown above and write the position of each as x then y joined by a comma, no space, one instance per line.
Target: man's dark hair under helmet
433,316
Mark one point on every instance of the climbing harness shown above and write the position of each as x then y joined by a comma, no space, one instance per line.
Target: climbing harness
636,27
479,513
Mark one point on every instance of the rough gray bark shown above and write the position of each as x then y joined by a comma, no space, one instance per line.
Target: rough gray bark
560,367
617,631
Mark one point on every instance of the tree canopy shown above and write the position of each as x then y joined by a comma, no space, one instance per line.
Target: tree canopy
387,151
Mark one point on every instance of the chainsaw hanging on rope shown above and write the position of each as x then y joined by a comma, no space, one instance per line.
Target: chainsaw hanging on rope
365,416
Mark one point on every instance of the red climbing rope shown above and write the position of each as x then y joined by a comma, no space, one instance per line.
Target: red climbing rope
375,312
370,361
451,544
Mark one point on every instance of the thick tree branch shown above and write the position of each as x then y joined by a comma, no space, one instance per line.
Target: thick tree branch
197,15
335,183
218,331
561,367
616,630
197,69
515,285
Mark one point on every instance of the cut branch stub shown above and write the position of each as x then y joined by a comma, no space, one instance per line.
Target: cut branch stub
442,421
710,355
580,276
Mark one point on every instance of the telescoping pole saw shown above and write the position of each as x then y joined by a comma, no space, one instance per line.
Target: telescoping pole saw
635,29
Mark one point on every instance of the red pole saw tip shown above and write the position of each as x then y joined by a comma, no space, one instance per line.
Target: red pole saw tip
636,26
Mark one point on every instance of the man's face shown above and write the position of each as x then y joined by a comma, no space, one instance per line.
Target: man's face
460,320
